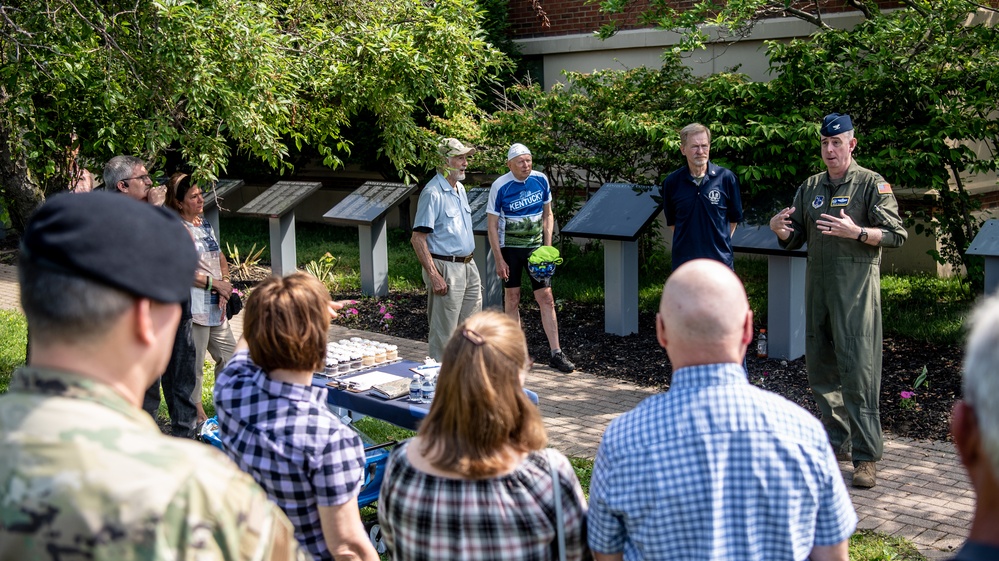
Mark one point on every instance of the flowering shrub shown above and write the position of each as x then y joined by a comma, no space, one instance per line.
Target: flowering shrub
908,400
348,316
365,314
385,311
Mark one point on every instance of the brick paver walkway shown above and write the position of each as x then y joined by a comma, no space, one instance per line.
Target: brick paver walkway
922,495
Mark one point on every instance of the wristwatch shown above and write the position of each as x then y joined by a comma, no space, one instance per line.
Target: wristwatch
863,235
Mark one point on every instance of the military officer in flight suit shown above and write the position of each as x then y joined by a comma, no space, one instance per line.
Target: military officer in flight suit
846,215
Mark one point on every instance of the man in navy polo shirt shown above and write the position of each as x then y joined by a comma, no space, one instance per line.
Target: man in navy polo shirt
701,202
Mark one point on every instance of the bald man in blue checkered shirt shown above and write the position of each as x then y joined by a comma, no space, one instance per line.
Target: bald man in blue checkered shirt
715,468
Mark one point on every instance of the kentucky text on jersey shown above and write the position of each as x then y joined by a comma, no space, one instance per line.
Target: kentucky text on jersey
530,199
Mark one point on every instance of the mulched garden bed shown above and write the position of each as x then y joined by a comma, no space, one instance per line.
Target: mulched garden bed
639,358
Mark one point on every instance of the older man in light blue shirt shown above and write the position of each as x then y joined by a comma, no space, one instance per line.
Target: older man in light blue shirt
443,241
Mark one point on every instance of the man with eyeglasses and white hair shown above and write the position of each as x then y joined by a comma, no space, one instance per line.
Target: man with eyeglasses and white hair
975,428
701,202
128,175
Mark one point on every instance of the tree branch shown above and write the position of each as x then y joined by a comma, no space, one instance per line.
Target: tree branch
102,31
982,6
916,7
814,19
864,8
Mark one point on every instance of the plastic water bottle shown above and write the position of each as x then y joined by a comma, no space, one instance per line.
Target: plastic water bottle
416,389
761,344
428,390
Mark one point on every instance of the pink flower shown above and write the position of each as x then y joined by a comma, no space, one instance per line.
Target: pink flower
352,311
381,310
907,395
389,316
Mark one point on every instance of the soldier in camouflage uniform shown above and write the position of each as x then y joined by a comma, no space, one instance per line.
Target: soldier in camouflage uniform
846,214
84,472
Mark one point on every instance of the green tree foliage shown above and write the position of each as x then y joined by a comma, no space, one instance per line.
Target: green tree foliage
592,130
920,82
704,20
923,88
209,77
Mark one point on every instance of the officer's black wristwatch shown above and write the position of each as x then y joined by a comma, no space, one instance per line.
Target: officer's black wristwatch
863,235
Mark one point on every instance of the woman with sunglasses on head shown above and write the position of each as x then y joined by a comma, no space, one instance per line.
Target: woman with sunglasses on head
211,289
477,483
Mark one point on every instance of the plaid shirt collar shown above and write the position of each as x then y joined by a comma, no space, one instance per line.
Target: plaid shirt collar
296,392
701,375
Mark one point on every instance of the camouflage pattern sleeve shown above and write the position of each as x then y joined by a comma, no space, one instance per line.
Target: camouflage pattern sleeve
86,475
228,516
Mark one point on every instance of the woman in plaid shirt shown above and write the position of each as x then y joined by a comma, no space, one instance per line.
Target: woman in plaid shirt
275,425
475,483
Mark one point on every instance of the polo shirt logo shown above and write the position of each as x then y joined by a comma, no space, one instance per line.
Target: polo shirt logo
819,201
714,196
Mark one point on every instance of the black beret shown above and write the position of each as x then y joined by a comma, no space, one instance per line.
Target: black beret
114,240
835,123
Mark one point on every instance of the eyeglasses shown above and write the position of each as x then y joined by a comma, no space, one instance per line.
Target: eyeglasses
142,178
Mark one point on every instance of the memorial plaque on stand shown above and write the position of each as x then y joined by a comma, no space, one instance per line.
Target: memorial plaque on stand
366,208
618,213
761,239
280,198
218,193
785,289
222,188
492,286
277,204
986,244
478,197
368,203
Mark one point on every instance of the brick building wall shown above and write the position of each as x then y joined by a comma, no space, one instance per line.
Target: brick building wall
570,17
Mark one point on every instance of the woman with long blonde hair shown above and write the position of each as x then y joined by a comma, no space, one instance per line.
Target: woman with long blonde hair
477,483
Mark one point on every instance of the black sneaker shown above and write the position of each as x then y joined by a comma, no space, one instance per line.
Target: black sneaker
560,362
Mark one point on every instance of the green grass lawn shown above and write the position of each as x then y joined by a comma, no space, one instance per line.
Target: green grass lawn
13,339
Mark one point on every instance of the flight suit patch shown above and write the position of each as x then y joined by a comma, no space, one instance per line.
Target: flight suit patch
840,201
819,200
884,188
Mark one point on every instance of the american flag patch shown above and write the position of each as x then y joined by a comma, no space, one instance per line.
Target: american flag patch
884,188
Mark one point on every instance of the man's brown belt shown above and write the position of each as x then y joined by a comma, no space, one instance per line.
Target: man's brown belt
452,258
